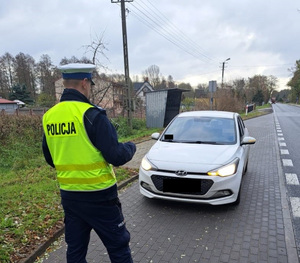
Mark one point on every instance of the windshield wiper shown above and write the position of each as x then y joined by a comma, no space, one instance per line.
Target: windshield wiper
202,142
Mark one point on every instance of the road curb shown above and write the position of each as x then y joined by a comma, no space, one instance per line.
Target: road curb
42,248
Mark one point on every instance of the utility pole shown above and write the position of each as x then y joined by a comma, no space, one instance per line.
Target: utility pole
223,67
128,86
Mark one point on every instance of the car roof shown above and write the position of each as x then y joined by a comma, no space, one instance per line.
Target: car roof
218,114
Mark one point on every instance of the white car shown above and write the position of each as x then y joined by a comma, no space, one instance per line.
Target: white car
200,157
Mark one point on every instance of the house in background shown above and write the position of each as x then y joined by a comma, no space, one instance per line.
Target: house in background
106,94
140,90
111,96
8,105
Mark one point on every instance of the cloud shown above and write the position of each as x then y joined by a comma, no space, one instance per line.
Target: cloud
186,39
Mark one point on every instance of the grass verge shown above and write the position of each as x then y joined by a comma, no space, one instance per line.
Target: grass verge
30,210
259,111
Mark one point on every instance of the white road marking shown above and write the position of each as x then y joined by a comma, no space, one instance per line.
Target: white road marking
295,203
292,179
281,144
284,151
280,139
287,162
280,134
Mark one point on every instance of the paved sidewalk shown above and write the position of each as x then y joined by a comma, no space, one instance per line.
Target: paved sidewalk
258,230
141,150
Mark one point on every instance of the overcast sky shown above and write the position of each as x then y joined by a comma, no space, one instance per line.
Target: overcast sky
187,39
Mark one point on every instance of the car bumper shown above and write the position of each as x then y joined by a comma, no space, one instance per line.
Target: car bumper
219,191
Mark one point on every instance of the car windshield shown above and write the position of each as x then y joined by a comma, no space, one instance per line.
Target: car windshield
206,130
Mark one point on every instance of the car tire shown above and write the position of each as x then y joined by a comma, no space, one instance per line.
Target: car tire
246,168
238,200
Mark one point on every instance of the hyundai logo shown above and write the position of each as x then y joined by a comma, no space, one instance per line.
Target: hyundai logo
181,173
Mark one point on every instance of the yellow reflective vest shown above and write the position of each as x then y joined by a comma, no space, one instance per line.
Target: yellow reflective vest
80,166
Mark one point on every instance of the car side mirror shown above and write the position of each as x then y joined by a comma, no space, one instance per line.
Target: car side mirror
248,140
155,135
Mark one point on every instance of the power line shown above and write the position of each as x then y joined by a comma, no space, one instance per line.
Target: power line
180,33
177,35
164,35
147,13
142,15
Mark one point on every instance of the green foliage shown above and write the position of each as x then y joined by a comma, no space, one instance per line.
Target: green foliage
124,173
20,93
186,86
139,129
188,104
123,130
258,98
46,100
258,111
294,83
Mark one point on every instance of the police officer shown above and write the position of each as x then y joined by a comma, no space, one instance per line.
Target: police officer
81,144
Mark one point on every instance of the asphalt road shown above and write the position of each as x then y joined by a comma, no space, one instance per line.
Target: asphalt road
260,229
287,119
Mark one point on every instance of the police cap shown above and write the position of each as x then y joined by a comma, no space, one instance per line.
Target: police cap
77,71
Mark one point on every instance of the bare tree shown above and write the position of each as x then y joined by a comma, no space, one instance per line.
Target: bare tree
239,87
260,84
153,75
6,74
74,59
24,68
97,47
272,84
47,74
170,82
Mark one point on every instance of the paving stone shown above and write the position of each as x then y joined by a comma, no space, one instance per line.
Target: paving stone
164,231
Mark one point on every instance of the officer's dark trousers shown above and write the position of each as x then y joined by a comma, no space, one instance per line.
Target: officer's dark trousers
108,222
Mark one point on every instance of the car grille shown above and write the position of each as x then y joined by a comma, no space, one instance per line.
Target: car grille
182,185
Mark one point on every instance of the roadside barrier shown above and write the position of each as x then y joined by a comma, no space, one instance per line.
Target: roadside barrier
249,108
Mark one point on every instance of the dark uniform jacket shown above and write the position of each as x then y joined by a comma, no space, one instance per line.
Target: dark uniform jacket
104,137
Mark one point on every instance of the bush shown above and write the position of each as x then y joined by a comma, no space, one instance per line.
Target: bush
24,127
20,136
122,128
227,101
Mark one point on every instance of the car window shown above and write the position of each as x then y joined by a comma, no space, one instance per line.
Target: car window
201,130
241,127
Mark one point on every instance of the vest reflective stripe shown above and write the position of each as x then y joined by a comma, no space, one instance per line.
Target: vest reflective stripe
95,180
80,166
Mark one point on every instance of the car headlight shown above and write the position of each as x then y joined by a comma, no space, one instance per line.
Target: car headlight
147,165
226,170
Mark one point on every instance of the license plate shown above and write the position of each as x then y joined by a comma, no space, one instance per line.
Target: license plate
182,186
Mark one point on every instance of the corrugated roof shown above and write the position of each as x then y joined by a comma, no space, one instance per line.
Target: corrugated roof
4,101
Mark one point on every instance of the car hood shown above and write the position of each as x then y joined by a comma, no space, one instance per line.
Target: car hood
190,157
